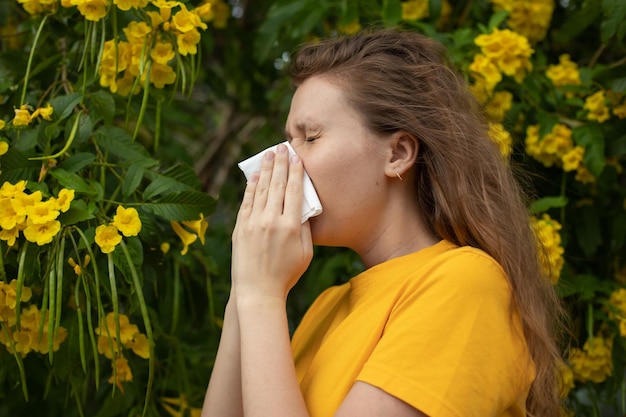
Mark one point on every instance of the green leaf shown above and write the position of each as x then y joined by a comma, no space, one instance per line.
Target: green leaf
391,12
15,166
614,12
181,206
591,137
546,203
434,9
77,161
133,178
587,230
578,21
77,213
135,249
104,104
64,105
349,12
71,180
496,19
176,178
118,142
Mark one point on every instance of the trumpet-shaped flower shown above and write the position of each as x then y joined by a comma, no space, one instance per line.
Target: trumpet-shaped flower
414,9
128,4
107,238
10,190
188,42
8,300
8,216
44,112
549,246
41,233
122,373
9,235
127,221
498,105
502,138
530,18
484,68
161,75
549,149
130,337
42,212
573,159
63,201
185,237
184,21
22,201
93,10
162,52
597,108
565,73
594,361
198,226
22,116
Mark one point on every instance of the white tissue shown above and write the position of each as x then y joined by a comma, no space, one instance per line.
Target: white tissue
311,205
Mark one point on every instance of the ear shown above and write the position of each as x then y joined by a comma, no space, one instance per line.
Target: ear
404,148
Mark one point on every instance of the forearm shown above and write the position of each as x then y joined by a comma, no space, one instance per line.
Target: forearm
223,397
269,383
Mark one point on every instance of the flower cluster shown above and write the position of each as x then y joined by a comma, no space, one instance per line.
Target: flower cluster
129,337
557,148
502,138
35,217
596,107
565,73
530,18
125,221
618,301
502,52
594,361
198,228
32,333
150,48
549,246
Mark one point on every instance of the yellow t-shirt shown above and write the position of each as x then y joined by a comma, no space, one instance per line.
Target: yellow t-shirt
433,328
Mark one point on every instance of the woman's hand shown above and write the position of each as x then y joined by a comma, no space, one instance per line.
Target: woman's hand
271,248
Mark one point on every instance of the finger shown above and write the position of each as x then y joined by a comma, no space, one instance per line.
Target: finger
263,185
294,193
245,209
276,196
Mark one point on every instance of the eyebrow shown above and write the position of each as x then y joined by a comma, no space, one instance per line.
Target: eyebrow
303,127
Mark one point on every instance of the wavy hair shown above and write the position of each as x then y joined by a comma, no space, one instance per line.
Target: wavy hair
468,194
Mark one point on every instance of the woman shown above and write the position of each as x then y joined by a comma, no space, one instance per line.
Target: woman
451,316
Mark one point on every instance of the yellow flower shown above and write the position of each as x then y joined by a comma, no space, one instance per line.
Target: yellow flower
198,226
130,337
42,212
22,116
127,221
594,362
566,73
107,238
162,52
185,237
161,75
509,51
2,124
44,112
10,190
165,8
181,403
22,201
136,32
502,138
165,247
566,381
188,42
140,345
550,149
122,373
484,68
8,216
204,11
185,21
63,201
530,18
4,147
549,246
128,4
8,296
93,10
584,176
597,108
498,105
573,159
41,233
9,235
221,13
414,9
350,28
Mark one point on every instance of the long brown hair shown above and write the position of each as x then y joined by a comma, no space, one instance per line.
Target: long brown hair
467,193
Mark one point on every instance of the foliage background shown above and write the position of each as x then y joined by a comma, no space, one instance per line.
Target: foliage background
233,103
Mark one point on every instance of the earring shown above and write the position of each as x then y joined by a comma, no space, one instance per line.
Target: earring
397,175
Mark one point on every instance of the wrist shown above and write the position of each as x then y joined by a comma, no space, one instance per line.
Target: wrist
255,302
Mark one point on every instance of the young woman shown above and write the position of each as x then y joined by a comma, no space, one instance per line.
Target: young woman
451,316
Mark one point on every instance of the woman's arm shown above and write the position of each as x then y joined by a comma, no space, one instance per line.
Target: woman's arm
223,396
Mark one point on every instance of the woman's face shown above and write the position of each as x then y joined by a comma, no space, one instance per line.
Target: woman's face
344,160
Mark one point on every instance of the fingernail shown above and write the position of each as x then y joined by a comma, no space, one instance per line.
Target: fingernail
269,155
295,159
282,148
254,177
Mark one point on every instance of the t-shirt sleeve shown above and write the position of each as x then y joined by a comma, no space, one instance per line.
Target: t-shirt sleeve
451,346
